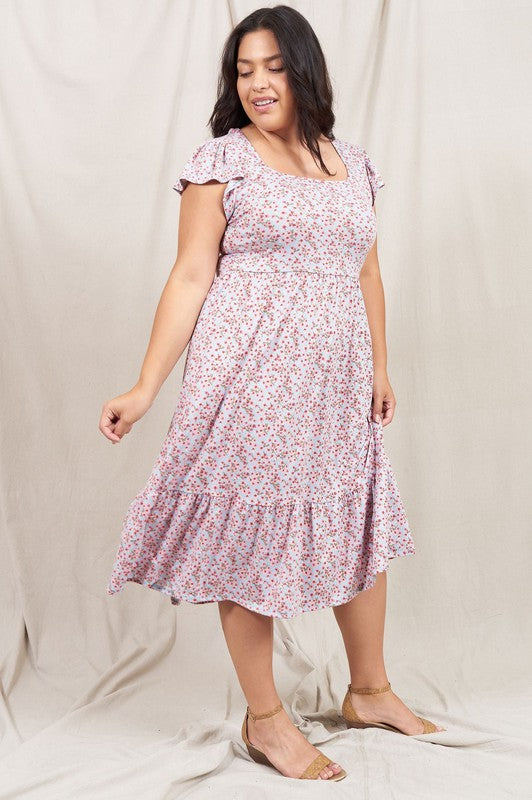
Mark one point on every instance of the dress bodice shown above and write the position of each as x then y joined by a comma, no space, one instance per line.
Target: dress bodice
278,222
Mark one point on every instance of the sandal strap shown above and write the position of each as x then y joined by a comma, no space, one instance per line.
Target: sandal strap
316,766
428,726
265,713
370,691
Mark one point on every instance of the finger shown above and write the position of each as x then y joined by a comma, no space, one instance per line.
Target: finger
388,416
108,424
377,409
122,427
388,411
107,430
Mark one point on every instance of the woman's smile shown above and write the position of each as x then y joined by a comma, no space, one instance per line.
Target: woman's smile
263,104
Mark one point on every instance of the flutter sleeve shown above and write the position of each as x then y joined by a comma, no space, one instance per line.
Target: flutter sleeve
374,178
216,160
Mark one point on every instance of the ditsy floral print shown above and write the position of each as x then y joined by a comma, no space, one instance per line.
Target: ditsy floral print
272,487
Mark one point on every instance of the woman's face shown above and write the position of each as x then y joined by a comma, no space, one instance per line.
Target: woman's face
261,74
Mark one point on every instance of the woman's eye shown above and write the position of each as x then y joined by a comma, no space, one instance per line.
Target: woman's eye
247,74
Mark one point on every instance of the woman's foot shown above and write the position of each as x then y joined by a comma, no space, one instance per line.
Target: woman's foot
387,707
286,747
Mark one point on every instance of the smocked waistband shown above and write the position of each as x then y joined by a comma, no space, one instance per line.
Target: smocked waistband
273,265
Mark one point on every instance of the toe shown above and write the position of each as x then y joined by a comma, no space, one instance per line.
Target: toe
330,770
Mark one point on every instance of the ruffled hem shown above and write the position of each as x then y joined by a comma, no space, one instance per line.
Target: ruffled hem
374,178
337,600
216,160
280,559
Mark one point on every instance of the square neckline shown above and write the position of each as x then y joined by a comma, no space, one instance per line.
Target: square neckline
259,158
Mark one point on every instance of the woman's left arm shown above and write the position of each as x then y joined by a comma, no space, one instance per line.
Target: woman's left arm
373,291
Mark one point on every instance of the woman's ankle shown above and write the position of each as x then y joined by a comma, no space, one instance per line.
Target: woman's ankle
259,706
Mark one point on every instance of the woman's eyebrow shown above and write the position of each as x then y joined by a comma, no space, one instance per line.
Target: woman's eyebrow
269,58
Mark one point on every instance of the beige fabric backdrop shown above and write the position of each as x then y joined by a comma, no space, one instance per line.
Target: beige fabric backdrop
127,696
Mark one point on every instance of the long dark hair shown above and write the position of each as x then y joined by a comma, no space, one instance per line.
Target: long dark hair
306,70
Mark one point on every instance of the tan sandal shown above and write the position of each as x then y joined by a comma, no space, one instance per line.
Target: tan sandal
313,769
354,721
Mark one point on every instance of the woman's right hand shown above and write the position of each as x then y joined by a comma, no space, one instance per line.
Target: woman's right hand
119,415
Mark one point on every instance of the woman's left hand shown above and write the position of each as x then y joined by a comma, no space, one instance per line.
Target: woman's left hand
383,403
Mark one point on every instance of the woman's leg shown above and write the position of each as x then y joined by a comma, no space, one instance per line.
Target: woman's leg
249,637
361,622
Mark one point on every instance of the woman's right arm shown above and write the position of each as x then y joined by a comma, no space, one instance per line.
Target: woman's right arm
201,227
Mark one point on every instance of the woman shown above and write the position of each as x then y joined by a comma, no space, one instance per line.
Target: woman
272,494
